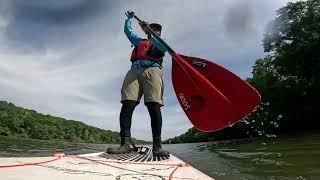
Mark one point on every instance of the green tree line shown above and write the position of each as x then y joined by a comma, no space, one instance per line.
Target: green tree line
288,79
20,122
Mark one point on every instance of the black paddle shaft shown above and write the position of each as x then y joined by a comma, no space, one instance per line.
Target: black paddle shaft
169,49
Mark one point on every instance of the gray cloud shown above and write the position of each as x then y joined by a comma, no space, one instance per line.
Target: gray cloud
61,12
239,24
38,25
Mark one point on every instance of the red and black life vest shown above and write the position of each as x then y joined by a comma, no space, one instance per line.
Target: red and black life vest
145,50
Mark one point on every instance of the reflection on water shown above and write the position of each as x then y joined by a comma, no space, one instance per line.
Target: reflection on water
272,158
16,147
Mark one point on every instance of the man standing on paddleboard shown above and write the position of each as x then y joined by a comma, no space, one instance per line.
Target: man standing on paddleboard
144,78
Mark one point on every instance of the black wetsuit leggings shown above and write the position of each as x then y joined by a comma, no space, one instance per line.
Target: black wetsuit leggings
127,109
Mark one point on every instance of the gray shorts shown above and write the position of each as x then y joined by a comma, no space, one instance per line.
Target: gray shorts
143,81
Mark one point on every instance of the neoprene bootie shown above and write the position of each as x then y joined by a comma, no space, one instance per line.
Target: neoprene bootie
157,149
123,148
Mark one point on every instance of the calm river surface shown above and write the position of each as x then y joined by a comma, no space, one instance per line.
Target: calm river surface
291,157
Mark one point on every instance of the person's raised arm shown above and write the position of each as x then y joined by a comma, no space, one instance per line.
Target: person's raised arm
133,38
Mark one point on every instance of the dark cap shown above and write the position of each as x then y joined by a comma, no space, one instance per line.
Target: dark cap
155,26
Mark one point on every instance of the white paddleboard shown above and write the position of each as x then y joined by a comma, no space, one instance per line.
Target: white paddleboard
97,166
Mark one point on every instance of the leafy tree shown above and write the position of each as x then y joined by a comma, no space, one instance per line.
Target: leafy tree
19,122
289,78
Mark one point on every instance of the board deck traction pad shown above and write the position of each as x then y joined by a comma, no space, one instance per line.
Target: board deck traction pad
139,164
142,154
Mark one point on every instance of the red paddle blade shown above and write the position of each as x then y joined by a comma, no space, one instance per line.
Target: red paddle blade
242,95
203,104
229,101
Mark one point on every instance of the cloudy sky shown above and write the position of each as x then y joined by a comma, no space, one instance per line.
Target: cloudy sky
69,58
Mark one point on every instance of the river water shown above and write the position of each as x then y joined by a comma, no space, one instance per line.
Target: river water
290,157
